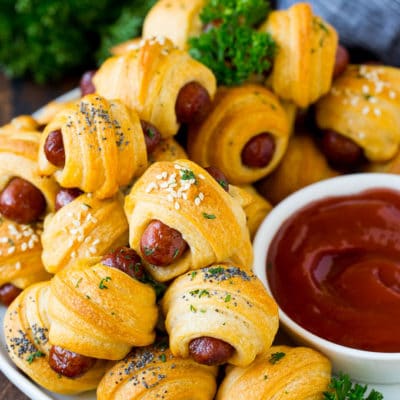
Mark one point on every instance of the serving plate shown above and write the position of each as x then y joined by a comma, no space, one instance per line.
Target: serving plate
35,392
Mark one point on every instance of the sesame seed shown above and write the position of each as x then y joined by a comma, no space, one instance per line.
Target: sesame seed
3,240
365,110
365,89
96,241
361,135
24,246
201,196
31,244
201,176
73,254
177,206
392,94
377,112
197,201
18,265
11,250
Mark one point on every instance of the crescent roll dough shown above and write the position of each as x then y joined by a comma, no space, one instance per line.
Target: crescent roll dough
26,331
302,165
303,66
174,378
256,210
20,254
85,227
175,19
104,146
225,302
19,145
239,114
149,78
99,311
363,105
168,150
296,373
185,197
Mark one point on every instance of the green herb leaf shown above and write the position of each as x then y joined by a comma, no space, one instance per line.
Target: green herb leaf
33,356
192,275
163,357
102,284
275,357
193,308
209,216
232,48
342,388
187,174
227,298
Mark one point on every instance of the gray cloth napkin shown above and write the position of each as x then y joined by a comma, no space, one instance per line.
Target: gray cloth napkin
373,25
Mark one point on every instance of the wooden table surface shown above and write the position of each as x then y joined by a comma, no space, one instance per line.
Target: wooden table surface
23,97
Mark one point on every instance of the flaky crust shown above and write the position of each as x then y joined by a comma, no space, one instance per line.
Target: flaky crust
175,19
225,302
302,165
20,254
99,311
104,146
149,78
154,373
19,145
301,374
210,220
26,330
256,210
168,150
239,114
85,227
363,105
303,66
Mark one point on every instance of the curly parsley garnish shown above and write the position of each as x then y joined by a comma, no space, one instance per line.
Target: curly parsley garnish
341,388
230,45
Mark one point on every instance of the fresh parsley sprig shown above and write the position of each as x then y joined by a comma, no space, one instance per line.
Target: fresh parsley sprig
342,388
231,46
250,12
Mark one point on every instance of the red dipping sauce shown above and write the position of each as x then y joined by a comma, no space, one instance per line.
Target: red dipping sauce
334,268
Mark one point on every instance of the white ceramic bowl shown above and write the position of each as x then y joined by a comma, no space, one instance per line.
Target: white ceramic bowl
378,370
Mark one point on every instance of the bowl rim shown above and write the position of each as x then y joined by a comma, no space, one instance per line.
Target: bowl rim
331,187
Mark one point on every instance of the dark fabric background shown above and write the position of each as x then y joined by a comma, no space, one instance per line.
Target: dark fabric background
371,25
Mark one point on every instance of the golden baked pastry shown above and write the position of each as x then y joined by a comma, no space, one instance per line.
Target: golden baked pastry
19,145
26,331
239,115
225,302
154,373
85,227
256,210
50,110
168,150
303,66
296,373
20,254
175,19
302,165
103,143
363,105
188,199
149,79
100,311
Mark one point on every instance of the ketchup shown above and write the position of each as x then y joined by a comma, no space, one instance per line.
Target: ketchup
334,268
